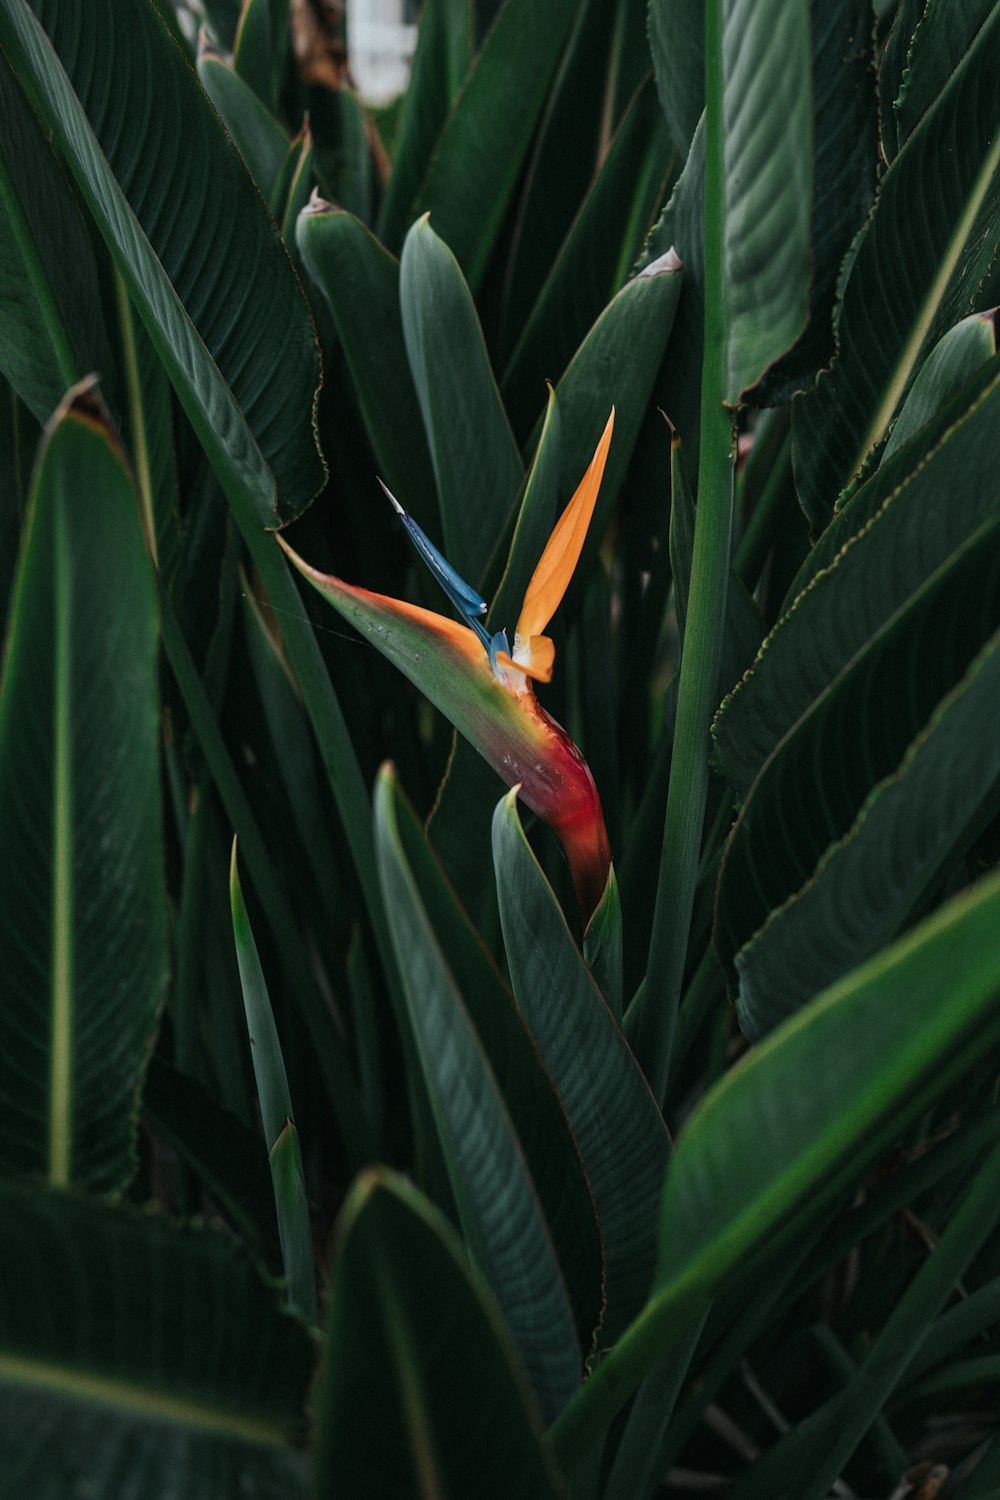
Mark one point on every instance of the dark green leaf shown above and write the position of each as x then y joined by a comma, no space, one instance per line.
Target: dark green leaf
420,1392
82,907
892,552
481,152
444,51
677,45
360,281
917,271
185,228
162,1362
912,825
51,329
262,142
620,1132
938,45
501,1217
763,64
595,257
953,361
476,461
260,47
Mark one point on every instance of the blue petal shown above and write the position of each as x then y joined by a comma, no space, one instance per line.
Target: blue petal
470,605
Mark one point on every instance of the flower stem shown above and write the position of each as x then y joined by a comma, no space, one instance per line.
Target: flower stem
699,668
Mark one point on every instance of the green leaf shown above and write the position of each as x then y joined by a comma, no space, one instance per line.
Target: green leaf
184,227
260,139
761,61
917,271
567,151
536,517
911,827
444,50
280,1136
845,159
82,905
798,1120
51,329
677,46
534,1107
261,46
501,1217
620,1132
602,947
594,259
481,151
956,357
420,1391
617,363
476,461
360,281
163,1362
938,44
904,538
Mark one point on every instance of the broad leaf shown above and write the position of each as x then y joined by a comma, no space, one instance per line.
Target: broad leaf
476,462
163,1362
51,328
894,553
867,886
538,1117
918,269
936,48
185,229
592,264
500,1213
797,1122
761,62
620,1132
360,281
260,47
952,362
420,1391
262,142
481,151
82,904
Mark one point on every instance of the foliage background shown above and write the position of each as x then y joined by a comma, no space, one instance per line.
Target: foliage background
415,1237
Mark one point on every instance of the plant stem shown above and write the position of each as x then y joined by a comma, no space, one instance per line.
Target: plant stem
699,668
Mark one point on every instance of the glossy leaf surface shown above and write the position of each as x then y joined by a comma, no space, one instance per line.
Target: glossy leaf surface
82,905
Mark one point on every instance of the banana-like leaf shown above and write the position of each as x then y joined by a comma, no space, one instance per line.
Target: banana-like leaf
360,281
445,45
162,1363
937,46
620,1132
476,461
878,569
189,232
51,329
263,142
82,903
593,261
565,155
677,45
261,46
845,113
867,886
918,269
798,1121
501,1217
481,151
758,55
855,735
535,1110
952,362
420,1391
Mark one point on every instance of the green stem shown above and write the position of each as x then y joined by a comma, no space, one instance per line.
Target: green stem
699,668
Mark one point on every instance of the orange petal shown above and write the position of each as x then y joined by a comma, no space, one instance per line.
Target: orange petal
537,662
551,577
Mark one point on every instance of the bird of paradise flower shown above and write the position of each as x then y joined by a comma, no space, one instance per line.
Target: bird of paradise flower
485,686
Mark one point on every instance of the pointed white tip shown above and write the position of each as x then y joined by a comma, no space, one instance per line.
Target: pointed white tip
398,508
